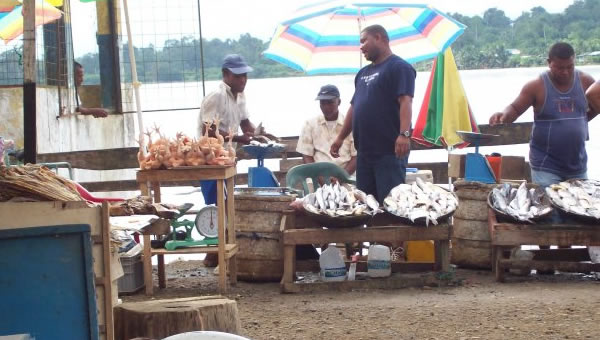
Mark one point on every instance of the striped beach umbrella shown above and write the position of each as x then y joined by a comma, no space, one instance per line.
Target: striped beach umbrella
11,23
325,37
445,107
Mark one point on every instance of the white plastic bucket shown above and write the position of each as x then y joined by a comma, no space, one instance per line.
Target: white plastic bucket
332,265
379,261
205,335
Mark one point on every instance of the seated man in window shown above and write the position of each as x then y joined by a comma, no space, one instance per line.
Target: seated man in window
96,112
320,132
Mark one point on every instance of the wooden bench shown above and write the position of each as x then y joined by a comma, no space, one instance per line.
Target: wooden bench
506,236
382,229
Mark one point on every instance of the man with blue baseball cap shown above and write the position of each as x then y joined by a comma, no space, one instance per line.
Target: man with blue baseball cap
228,104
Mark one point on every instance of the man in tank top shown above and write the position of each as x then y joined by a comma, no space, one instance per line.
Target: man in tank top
561,114
560,122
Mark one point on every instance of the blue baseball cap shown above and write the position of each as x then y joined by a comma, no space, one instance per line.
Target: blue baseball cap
328,92
236,64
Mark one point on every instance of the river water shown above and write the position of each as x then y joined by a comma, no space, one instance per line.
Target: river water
283,104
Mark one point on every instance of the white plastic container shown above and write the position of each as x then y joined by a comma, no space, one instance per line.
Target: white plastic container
594,252
332,265
379,261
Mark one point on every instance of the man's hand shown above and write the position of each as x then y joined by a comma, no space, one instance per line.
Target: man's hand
497,118
245,138
97,113
334,150
402,146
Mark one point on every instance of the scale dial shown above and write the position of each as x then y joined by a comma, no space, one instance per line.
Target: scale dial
207,221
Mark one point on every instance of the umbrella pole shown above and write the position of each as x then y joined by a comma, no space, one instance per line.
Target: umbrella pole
359,32
134,78
201,50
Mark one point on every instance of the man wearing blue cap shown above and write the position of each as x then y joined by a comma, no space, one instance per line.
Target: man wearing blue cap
228,104
320,132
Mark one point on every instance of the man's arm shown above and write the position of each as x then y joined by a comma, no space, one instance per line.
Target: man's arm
96,112
588,83
351,165
339,140
525,100
593,97
402,146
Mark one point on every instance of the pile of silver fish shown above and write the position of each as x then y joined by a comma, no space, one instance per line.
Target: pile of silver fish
581,197
340,200
523,204
420,200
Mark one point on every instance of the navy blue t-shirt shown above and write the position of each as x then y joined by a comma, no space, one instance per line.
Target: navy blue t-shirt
376,113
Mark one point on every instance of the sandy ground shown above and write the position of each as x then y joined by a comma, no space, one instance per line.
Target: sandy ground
558,306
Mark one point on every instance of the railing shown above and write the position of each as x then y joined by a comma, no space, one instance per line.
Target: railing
126,158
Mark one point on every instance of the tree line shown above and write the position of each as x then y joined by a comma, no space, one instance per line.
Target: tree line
489,41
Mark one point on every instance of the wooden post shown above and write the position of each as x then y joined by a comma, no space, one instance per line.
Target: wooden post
231,237
29,82
222,238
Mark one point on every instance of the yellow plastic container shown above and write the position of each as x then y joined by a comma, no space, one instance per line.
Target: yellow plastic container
420,251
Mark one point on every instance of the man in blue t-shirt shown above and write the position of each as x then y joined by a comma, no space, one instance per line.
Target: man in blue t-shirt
380,115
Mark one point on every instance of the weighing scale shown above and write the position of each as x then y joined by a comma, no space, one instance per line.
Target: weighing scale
477,167
260,176
206,224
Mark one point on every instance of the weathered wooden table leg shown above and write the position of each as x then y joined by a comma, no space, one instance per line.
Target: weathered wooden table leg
147,265
289,266
499,270
231,237
144,191
156,191
442,256
162,282
222,239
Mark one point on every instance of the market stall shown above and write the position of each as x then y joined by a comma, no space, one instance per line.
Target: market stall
565,214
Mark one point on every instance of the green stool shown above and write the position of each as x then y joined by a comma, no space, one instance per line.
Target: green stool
300,173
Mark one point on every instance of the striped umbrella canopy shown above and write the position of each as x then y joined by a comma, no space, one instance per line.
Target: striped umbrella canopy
11,22
445,107
325,37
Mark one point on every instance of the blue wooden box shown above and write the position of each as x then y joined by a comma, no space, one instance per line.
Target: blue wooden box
47,283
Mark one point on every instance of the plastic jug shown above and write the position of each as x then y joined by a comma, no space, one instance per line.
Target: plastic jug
379,261
332,265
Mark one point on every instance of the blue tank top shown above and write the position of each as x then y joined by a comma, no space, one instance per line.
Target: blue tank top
560,130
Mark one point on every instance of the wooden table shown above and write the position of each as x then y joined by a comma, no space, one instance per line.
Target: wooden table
227,248
506,236
382,228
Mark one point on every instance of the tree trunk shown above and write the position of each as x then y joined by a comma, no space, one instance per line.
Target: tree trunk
158,319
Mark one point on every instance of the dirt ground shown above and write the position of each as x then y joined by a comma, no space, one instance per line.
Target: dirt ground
562,306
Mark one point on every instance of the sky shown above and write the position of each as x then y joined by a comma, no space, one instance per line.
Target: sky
228,19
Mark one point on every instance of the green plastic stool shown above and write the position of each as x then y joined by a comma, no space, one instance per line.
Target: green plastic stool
300,173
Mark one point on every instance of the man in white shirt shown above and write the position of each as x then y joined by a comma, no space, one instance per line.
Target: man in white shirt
228,102
320,132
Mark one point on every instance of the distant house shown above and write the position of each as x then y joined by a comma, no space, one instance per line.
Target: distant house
588,56
513,51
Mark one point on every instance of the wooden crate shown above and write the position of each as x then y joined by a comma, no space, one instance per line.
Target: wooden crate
32,214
